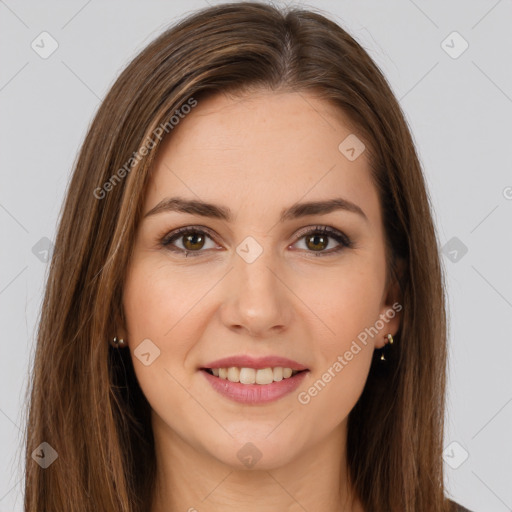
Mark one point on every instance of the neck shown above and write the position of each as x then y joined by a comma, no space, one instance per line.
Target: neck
190,479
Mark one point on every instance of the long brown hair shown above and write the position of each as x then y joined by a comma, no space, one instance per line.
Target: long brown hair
84,399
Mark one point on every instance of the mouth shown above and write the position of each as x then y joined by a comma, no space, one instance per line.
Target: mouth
254,379
253,386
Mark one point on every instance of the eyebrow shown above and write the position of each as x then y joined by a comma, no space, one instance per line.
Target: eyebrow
203,209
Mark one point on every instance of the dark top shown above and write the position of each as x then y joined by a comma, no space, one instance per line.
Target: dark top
459,508
455,507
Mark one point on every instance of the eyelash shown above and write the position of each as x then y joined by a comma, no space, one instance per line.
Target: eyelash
341,238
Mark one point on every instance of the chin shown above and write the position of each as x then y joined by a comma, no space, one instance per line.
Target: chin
257,451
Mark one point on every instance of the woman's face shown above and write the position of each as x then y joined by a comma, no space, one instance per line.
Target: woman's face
259,283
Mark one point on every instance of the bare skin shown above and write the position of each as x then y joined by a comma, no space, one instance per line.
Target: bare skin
298,299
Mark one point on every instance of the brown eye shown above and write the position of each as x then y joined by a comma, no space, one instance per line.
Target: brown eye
188,240
317,242
193,241
318,239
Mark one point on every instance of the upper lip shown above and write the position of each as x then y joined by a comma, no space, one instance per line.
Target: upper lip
246,361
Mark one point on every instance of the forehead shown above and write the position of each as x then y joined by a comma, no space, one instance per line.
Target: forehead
265,151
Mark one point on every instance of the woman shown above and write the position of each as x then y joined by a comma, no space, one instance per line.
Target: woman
245,307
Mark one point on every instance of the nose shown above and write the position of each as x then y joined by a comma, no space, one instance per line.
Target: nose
257,299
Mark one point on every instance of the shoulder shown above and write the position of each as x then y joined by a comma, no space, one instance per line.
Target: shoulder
457,508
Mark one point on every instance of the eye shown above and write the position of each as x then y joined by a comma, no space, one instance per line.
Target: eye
192,239
318,238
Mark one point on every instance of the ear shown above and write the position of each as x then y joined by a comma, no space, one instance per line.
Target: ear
391,310
121,334
120,327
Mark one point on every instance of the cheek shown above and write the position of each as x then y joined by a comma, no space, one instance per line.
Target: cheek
348,302
342,359
345,300
158,307
159,301
331,393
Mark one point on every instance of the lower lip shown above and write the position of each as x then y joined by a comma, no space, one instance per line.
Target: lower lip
254,393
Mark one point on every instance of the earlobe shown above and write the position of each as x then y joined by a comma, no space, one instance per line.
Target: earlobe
119,329
117,342
119,339
391,313
390,320
124,336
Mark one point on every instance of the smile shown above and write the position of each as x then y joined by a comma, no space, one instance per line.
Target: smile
254,386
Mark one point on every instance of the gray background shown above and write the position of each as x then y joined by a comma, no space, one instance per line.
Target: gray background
459,110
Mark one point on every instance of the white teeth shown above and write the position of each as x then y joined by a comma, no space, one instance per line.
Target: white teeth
247,375
278,374
265,376
252,375
234,374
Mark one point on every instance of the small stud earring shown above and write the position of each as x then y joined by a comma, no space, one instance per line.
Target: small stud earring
115,342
